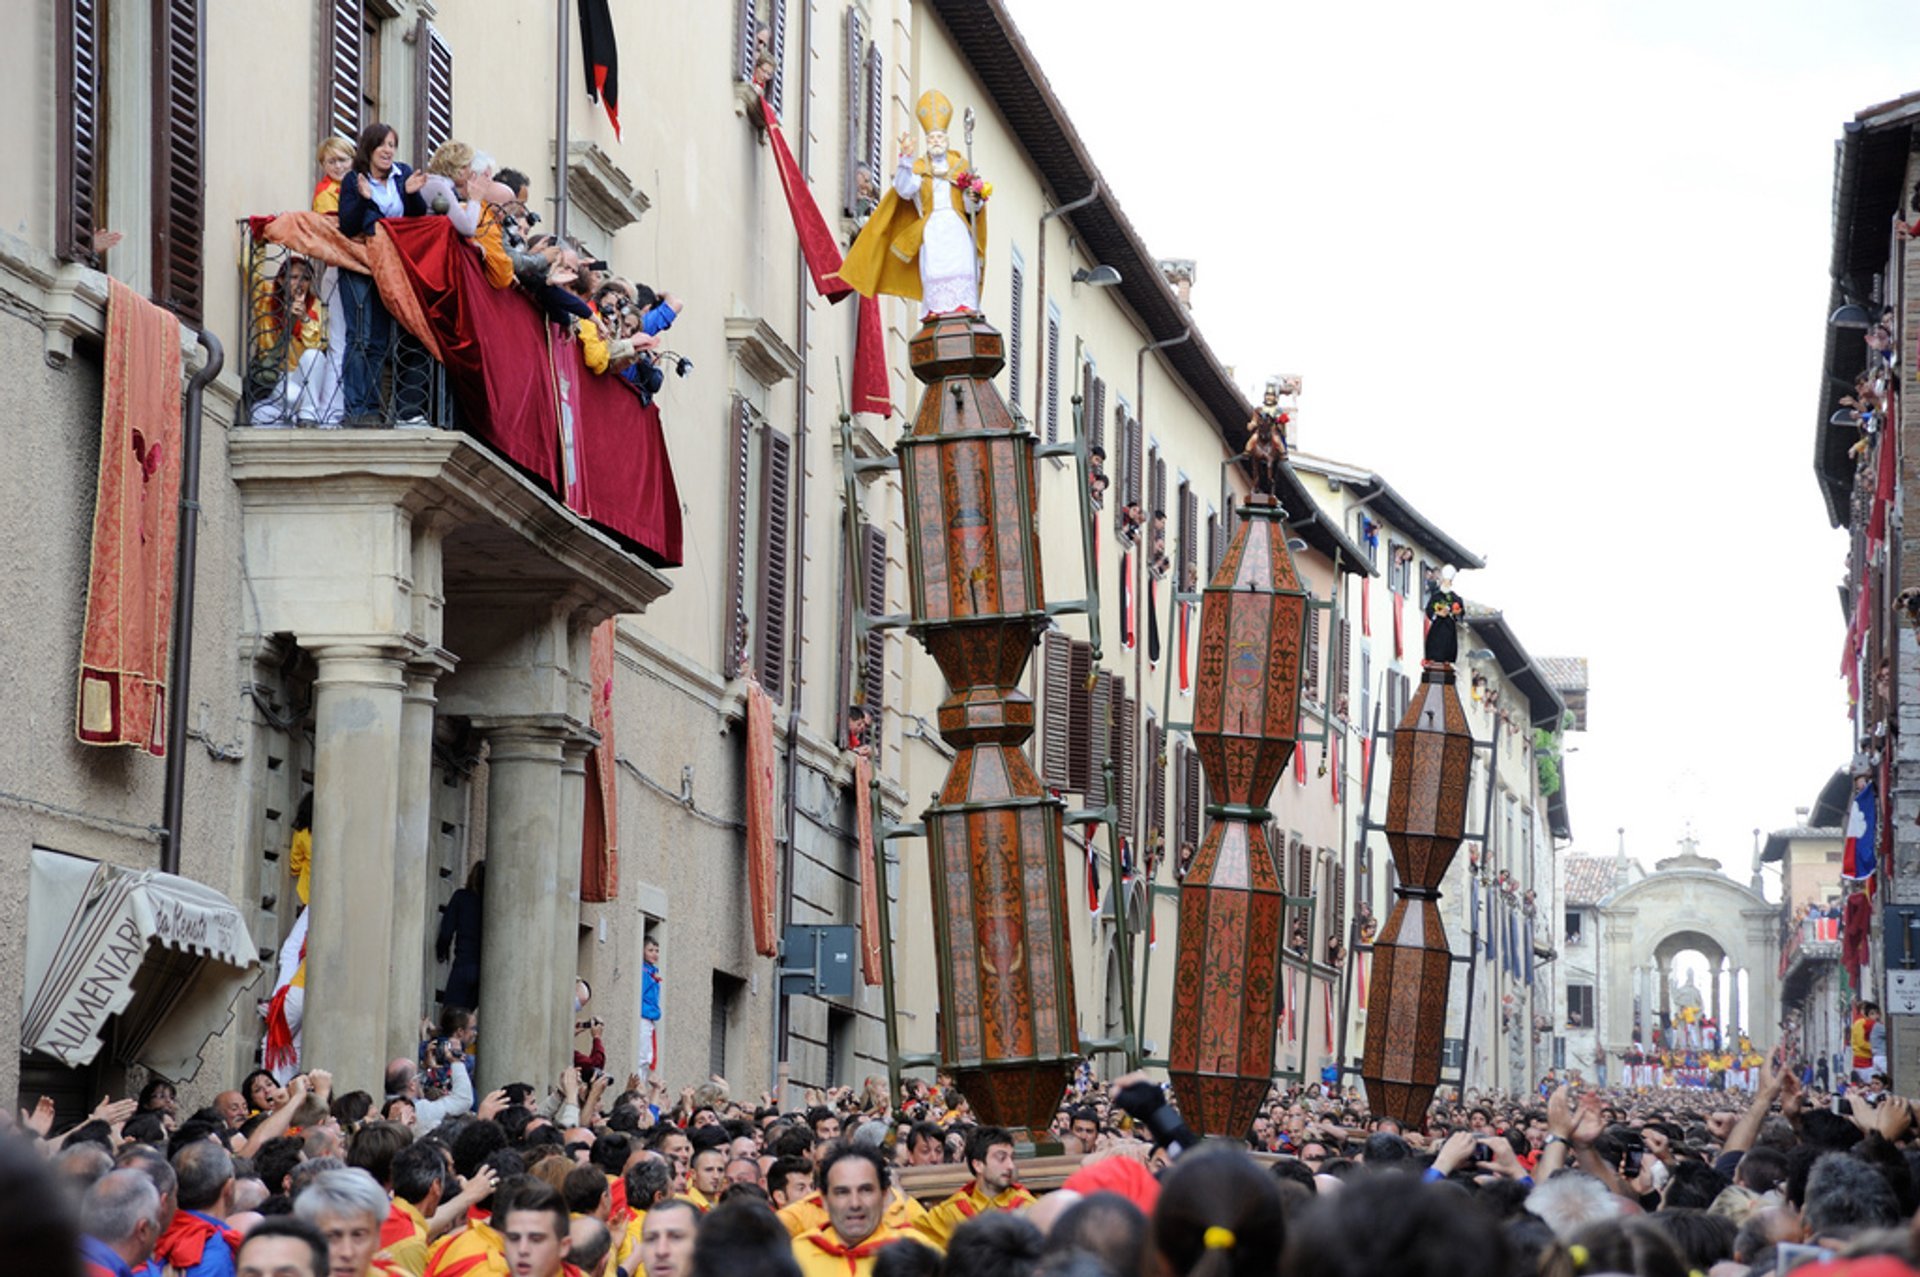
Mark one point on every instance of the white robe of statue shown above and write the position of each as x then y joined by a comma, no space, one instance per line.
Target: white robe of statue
948,281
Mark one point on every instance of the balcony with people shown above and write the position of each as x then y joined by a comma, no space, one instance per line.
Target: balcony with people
453,472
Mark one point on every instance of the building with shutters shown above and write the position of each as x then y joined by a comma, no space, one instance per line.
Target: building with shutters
415,582
1498,897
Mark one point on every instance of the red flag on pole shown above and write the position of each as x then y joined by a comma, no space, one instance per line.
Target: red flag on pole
816,240
1186,672
601,58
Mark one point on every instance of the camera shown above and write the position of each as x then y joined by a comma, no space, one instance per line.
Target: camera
1483,1152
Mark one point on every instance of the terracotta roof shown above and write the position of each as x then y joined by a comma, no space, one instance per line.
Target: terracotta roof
1591,879
1567,675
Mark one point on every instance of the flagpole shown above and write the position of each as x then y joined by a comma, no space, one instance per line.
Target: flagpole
563,69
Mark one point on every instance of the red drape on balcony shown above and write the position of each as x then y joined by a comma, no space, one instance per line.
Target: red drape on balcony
494,345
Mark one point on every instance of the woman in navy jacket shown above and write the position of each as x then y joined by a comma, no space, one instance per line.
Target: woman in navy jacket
378,186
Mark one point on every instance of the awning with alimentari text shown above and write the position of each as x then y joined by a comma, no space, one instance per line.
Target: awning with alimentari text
160,955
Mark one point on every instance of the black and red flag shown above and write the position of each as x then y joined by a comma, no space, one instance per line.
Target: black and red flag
602,58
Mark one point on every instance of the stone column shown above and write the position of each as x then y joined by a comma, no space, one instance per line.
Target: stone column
406,987
356,772
519,1013
566,897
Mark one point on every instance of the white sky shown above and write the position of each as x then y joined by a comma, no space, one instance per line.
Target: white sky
1559,272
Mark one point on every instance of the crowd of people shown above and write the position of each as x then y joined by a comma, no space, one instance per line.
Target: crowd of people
597,1179
326,351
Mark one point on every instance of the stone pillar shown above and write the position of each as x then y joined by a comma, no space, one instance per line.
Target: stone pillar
519,1014
406,987
566,897
357,696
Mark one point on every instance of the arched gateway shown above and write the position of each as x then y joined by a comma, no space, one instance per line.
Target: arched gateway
1729,936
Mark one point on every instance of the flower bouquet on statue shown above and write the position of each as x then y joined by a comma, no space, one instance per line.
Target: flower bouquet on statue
971,183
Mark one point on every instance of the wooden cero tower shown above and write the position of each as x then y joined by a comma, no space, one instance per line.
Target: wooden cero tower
1007,1028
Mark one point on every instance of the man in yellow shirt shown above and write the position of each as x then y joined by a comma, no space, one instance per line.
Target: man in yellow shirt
995,1186
855,1192
478,1250
706,1177
415,1177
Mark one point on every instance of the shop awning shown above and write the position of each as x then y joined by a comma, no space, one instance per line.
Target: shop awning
160,956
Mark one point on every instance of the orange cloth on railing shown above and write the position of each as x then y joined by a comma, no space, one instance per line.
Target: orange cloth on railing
317,235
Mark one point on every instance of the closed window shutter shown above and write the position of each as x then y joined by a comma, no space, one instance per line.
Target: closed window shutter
854,124
1056,690
346,62
1086,397
1156,784
1188,516
776,489
876,112
433,91
1053,380
1216,545
777,24
77,140
874,675
1313,655
1016,334
1134,455
1159,477
1099,736
746,17
1079,717
179,181
1097,417
1126,726
1346,654
1190,827
733,637
1337,902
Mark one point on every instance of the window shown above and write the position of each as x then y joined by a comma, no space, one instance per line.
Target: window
1016,325
840,1026
776,493
757,515
1053,373
1188,514
760,30
1579,1006
1572,926
1069,760
725,1006
1398,568
1216,543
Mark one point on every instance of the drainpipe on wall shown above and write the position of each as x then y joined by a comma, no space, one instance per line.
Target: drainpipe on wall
180,663
798,548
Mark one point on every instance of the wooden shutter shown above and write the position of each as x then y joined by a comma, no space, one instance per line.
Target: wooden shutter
776,491
1086,399
1156,784
853,124
1080,719
1190,827
733,630
1056,692
1216,545
873,677
1134,468
1158,475
432,92
777,26
1099,735
1336,902
1126,727
1312,687
1053,380
876,114
746,20
1097,419
1016,333
1187,523
78,153
340,89
179,180
1345,677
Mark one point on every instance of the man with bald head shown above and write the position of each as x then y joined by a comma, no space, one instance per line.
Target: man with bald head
197,1243
79,1166
119,1222
592,1244
232,1108
403,1081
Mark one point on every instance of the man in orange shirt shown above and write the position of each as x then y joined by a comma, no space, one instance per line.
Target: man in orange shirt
855,1195
995,1186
